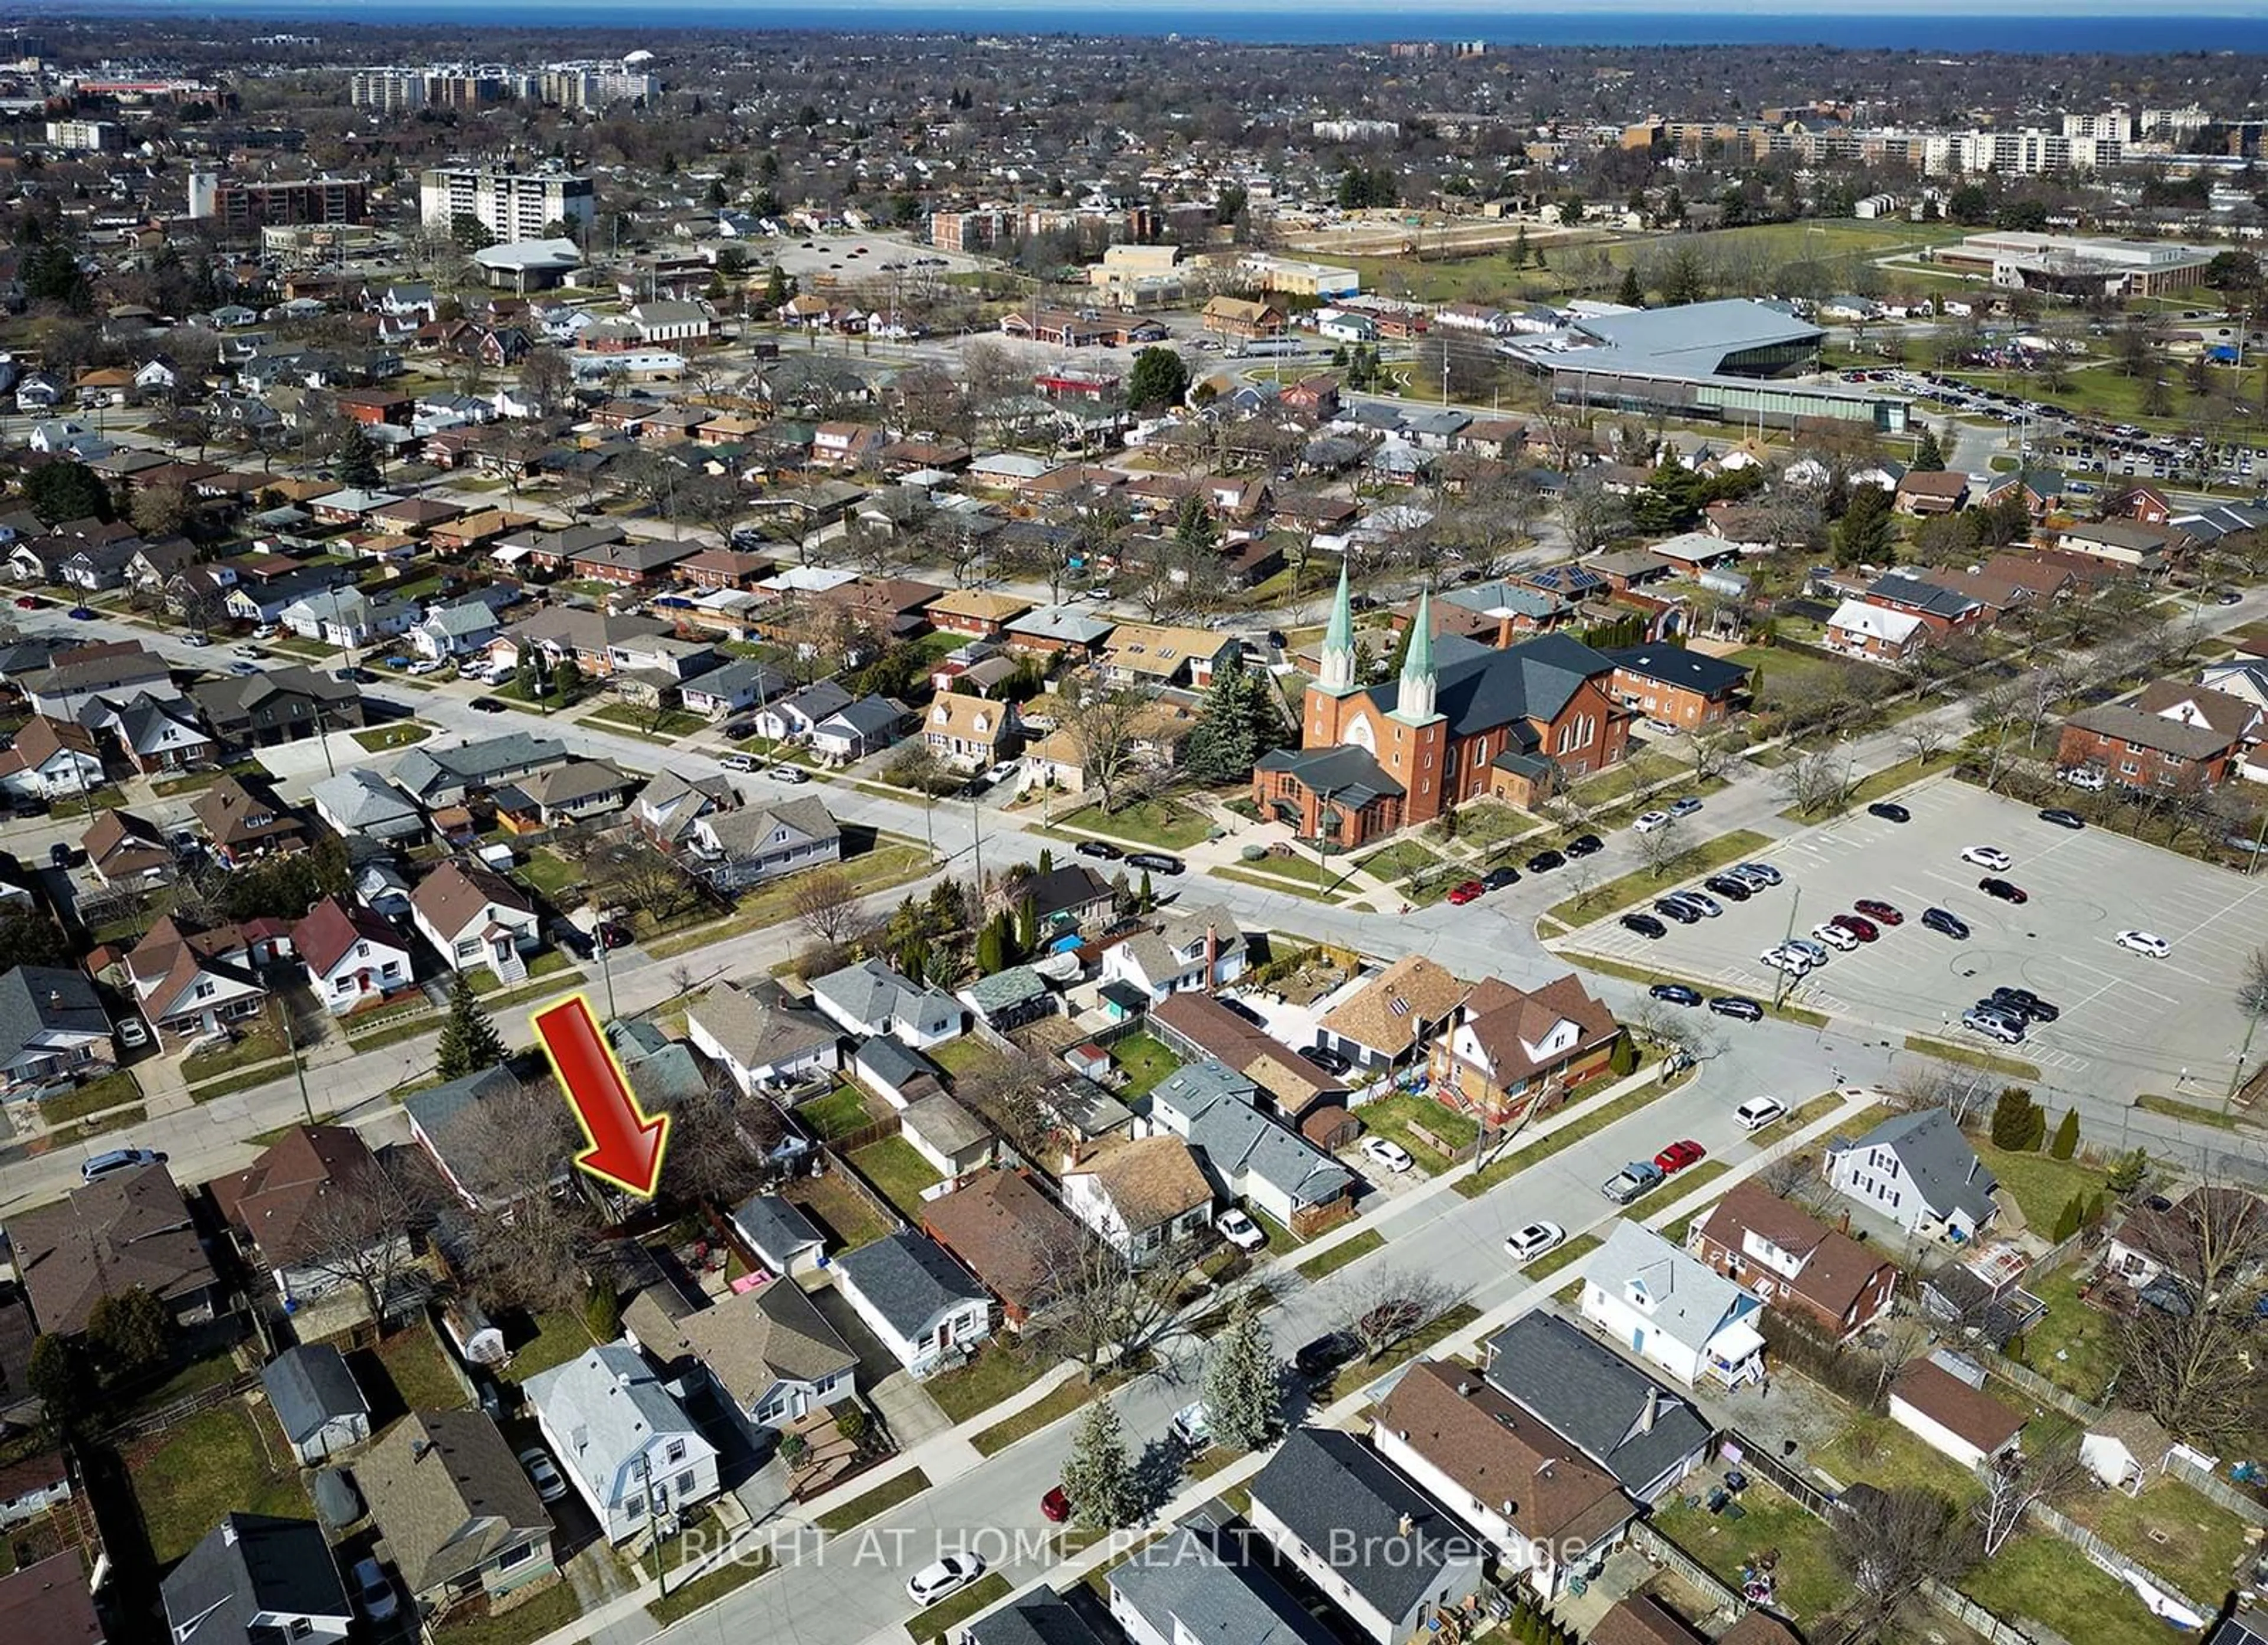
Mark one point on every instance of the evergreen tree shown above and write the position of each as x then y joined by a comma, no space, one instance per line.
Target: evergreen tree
1520,248
2067,1223
2066,1135
131,1331
68,490
1047,860
2130,1173
602,1312
1097,1475
357,461
1161,377
2094,1207
1401,652
1146,898
2013,1117
1239,724
469,1041
1929,456
1028,927
1867,529
1244,1381
991,949
1632,295
55,1377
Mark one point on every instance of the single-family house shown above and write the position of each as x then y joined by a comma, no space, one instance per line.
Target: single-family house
794,717
130,1230
576,791
1387,1553
858,728
53,1029
1508,1049
625,1443
870,998
1193,948
1919,1171
920,1302
159,735
460,630
352,957
664,809
49,760
1673,1310
1009,1235
459,1520
768,1351
733,849
1246,1154
1793,1261
1200,1582
257,1580
127,852
971,732
741,683
1009,998
1863,628
279,705
194,984
49,1600
281,1210
1543,1509
1381,1020
760,1037
35,1483
1144,1196
316,1402
359,803
241,826
348,618
1040,1618
1195,1026
1068,898
437,777
456,1125
1644,1433
1159,656
474,917
1943,1402
2186,1239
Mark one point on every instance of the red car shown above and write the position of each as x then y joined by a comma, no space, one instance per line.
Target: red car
1862,927
1881,913
27,602
1471,891
1678,1155
1055,1506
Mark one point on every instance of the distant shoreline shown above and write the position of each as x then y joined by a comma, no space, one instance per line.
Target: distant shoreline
1937,33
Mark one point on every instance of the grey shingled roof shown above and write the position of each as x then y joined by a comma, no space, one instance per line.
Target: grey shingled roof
1186,1590
310,1385
1039,1618
39,998
1945,1170
1338,1497
910,1280
776,1227
1215,1104
1690,1300
1480,688
248,1564
1593,1397
1346,773
423,770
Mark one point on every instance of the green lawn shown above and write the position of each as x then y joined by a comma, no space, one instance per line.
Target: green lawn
421,1376
1552,1261
1485,823
1643,884
549,963
707,1589
838,1114
110,1092
898,1488
640,722
2072,1345
1058,1403
259,1046
947,1614
2039,1575
2042,1186
840,1210
958,1057
1145,1060
547,872
220,1459
1290,886
1675,1189
1359,1374
1400,861
998,1371
898,1171
560,1336
1973,1057
2172,1530
401,734
554,1608
891,862
2196,1114
1352,1249
194,1377
1165,823
1869,789
1879,1451
1393,1117
1590,1124
1799,1545
1618,782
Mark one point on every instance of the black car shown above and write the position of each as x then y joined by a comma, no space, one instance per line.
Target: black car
2006,890
1645,925
1890,811
2063,819
1276,638
1675,994
1155,863
1730,889
2025,1003
1329,1060
1736,1005
573,938
1945,921
1545,861
490,705
1497,878
1240,1008
1102,848
1326,1354
1684,913
1584,844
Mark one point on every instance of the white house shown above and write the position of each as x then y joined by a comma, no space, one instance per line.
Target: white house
1197,948
760,1037
1246,1154
771,1353
1142,1196
1919,1171
35,1485
918,1301
1671,1310
624,1443
475,918
458,630
1941,1400
1864,629
870,998
47,759
351,955
347,617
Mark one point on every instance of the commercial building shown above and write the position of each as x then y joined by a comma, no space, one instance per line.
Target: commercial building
511,205
2079,265
85,136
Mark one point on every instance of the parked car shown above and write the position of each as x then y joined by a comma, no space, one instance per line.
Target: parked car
1678,1155
2006,1028
1639,1176
1988,856
2084,777
424,666
118,1159
1945,921
1648,821
948,1575
1100,849
2063,819
82,614
1645,925
745,763
243,669
1879,912
542,1473
1386,1155
1497,878
1763,873
1736,1005
1155,863
29,602
1684,913
1531,1242
1758,1112
1674,994
2026,1003
1326,1354
1858,925
1240,1230
1783,959
1890,811
790,774
195,641
2147,943
1834,935
2007,891
1055,1506
1685,807
1545,861
1708,904
1729,886
1192,1425
1585,844
375,1594
490,705
1471,890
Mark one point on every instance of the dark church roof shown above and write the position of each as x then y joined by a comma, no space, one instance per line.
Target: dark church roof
1346,773
1481,687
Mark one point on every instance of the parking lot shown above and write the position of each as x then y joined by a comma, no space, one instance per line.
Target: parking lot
2130,1023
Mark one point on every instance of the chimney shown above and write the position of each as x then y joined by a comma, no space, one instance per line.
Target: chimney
1653,1412
55,997
228,1531
1404,1526
1971,1175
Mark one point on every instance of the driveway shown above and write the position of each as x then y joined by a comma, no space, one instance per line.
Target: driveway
907,1411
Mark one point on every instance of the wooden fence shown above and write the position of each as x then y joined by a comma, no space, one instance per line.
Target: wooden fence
176,1412
1743,1452
2214,1488
2109,1558
1657,1547
1991,1629
839,1167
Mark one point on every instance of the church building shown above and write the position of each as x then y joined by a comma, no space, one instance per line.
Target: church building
1463,720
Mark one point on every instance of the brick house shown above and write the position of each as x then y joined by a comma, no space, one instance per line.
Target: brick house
2146,750
1685,688
1793,1261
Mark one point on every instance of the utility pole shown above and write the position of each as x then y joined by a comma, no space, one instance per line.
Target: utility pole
298,1068
606,965
653,1521
1781,982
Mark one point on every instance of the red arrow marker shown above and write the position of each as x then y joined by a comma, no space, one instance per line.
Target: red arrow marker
626,1146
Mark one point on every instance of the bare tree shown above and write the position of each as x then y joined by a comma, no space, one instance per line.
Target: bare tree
2186,1363
1958,1088
719,1144
1926,737
1674,1028
1664,848
1098,1309
1103,726
359,1228
1389,1306
826,904
1816,779
2047,1470
1902,1538
535,1231
1713,750
634,874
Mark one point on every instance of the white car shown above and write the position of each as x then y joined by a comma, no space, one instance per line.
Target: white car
196,641
1835,936
1759,1112
1534,1240
2084,777
1806,947
1990,856
1240,1230
1387,1155
424,666
948,1575
1192,1425
1652,820
1786,959
2145,942
541,1474
373,1592
1763,873
739,762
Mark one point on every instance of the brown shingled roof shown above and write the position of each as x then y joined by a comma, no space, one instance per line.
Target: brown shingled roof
1005,1230
1389,1012
1970,1413
1150,1179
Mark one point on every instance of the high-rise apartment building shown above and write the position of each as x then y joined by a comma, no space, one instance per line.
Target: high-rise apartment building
511,205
